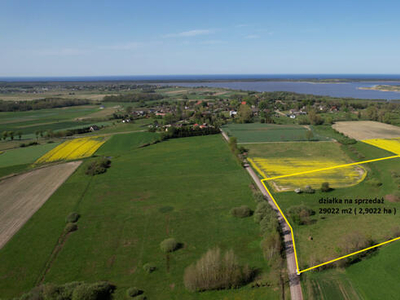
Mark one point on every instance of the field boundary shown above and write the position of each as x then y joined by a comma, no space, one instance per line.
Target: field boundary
265,179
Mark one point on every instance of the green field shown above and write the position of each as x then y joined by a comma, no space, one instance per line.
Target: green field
258,133
182,188
21,159
374,278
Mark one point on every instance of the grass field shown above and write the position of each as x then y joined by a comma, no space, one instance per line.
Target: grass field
24,155
370,279
257,132
14,161
182,188
127,142
289,158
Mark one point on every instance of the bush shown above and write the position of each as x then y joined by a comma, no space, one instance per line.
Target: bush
98,167
325,187
149,268
300,214
169,245
70,227
374,182
94,291
133,292
308,190
214,271
70,291
271,245
72,217
258,197
241,211
262,211
269,224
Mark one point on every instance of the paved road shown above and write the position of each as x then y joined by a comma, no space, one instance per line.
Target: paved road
294,280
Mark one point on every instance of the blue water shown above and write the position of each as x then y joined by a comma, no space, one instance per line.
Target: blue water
349,89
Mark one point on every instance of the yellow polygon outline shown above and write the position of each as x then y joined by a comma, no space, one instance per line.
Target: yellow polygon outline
298,271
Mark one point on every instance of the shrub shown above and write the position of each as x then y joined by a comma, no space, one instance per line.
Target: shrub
271,245
241,211
72,217
269,224
149,268
258,197
98,167
94,291
374,182
325,187
308,190
70,291
70,227
169,245
214,271
133,292
300,214
262,211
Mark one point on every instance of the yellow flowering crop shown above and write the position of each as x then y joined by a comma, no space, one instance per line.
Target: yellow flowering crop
342,177
392,145
74,149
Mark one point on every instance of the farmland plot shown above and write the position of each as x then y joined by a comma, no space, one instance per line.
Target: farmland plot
362,130
21,196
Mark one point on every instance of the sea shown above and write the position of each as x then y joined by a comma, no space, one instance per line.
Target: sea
302,83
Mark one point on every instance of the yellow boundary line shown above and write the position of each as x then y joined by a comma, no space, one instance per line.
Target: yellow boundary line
298,271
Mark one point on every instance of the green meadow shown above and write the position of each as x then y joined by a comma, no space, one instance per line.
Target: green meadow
257,132
374,278
180,188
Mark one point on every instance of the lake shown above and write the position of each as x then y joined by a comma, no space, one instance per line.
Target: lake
348,89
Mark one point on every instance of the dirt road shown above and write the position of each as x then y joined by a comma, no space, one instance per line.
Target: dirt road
22,195
294,279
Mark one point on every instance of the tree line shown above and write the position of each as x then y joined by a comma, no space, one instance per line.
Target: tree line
10,106
133,97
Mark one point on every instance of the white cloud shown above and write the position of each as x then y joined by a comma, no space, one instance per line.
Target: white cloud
241,25
63,52
252,36
212,42
125,46
189,33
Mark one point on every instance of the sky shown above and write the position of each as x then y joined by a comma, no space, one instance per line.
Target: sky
106,38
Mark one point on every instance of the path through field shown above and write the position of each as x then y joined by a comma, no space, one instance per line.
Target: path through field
294,280
21,196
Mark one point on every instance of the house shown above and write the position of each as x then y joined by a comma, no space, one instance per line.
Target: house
94,128
243,103
292,116
232,113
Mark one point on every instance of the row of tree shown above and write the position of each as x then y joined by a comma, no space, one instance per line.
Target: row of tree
12,106
133,97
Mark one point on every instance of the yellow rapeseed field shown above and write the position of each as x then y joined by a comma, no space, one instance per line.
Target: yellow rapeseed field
392,145
74,149
342,177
